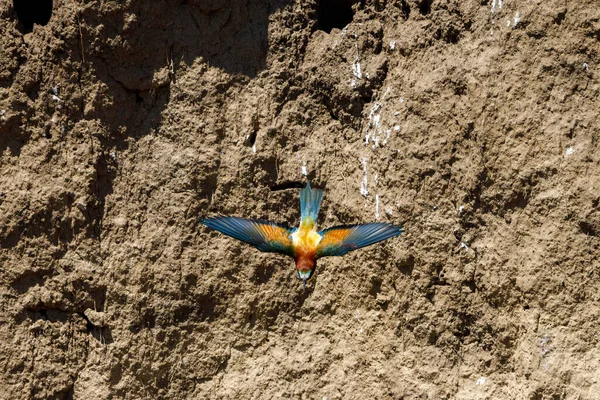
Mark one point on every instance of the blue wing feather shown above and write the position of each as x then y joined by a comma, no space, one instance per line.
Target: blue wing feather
339,240
264,235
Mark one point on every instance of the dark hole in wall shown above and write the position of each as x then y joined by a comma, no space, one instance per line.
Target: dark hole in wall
588,228
335,13
251,139
405,8
287,185
425,7
32,12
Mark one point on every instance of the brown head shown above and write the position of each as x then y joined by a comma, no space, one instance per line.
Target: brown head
306,268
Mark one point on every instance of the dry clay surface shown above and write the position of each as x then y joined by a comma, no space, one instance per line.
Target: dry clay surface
472,123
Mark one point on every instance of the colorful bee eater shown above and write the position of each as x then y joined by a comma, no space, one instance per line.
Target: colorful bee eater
305,244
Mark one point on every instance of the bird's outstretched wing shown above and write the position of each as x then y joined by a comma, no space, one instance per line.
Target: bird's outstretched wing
339,240
264,235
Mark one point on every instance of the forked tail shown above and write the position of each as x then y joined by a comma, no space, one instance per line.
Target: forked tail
310,202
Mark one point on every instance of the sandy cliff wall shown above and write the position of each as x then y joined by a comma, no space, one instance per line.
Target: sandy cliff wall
472,123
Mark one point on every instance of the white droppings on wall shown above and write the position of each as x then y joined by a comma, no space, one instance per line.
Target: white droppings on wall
388,133
356,70
393,45
303,169
374,129
496,5
387,91
54,91
480,381
545,347
363,185
375,142
516,19
377,207
254,148
374,119
569,151
341,37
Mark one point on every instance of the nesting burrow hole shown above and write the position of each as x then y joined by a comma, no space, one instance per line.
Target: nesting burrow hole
335,13
31,12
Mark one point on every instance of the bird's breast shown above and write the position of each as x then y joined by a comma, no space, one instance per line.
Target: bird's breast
306,239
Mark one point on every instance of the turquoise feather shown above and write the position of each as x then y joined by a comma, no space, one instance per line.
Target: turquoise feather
310,203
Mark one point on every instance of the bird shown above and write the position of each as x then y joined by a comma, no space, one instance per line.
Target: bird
305,244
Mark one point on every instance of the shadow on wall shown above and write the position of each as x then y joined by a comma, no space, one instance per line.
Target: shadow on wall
138,39
135,50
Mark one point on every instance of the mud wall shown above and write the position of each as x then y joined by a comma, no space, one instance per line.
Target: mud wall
472,123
